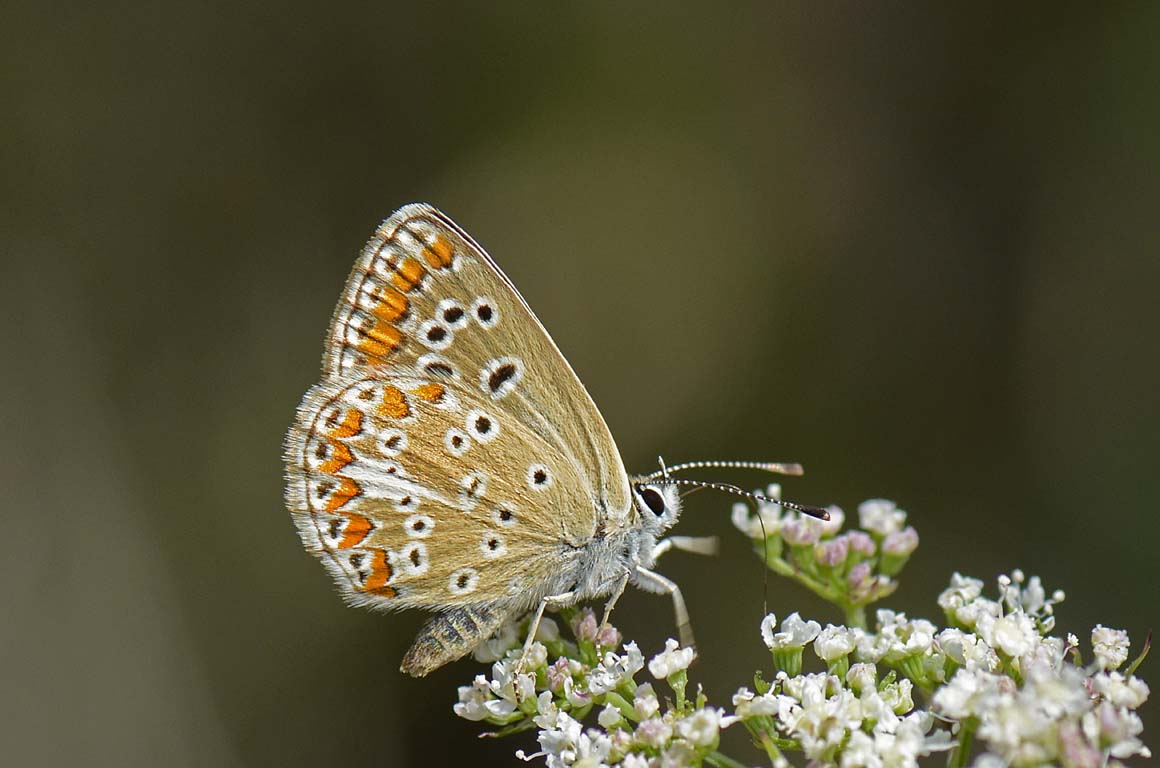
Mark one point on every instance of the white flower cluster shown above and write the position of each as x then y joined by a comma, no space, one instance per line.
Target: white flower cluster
994,688
995,681
1017,691
561,683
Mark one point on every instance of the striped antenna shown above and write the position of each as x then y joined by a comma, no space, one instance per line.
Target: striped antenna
805,509
777,467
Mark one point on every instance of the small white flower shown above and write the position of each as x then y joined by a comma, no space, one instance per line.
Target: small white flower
768,628
748,704
609,717
614,670
862,677
1110,646
634,760
671,660
962,591
1129,692
1014,634
794,633
906,637
833,642
868,647
967,650
546,710
978,610
474,700
645,703
971,692
881,516
899,696
1118,728
654,733
702,728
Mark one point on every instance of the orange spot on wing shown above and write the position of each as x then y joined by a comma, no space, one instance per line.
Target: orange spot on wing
350,425
408,274
432,393
380,574
391,304
394,403
438,254
357,529
380,339
347,490
340,456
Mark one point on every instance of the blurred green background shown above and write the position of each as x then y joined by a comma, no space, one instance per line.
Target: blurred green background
915,249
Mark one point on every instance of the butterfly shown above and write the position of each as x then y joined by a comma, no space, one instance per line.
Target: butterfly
451,460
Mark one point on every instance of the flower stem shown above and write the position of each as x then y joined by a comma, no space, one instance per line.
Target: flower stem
958,756
722,761
855,615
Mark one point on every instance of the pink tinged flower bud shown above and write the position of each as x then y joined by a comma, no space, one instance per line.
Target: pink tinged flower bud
896,549
557,674
832,552
900,543
608,636
861,543
586,627
860,578
801,532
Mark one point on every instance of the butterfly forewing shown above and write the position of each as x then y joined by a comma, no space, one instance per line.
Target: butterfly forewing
425,298
450,456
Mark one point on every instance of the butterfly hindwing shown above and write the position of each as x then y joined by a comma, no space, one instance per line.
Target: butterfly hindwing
415,492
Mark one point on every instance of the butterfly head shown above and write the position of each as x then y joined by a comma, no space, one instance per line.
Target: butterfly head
658,505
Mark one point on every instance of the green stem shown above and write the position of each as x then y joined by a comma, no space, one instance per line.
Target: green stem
958,756
855,615
722,761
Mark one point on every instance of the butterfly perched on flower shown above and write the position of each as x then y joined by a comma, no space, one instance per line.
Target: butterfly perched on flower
450,459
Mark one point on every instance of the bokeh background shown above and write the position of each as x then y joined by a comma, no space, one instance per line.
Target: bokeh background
915,249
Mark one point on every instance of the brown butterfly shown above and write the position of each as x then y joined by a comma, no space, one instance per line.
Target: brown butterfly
450,459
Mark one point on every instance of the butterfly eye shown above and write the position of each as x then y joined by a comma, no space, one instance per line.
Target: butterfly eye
653,500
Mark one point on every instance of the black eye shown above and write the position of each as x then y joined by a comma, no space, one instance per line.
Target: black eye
653,499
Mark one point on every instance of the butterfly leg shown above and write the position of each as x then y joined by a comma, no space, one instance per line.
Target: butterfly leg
554,601
698,545
617,591
654,582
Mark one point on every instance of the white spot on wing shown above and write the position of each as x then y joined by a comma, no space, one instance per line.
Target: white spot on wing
452,314
419,526
464,581
504,516
539,477
453,436
413,558
501,375
393,442
482,426
471,488
492,545
435,335
485,313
